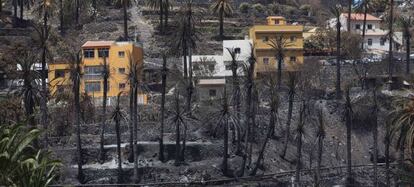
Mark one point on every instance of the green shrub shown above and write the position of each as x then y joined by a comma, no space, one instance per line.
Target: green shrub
244,8
259,8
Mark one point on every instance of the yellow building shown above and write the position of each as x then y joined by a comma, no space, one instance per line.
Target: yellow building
117,55
263,36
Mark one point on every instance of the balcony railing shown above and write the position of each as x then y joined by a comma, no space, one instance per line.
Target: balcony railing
92,76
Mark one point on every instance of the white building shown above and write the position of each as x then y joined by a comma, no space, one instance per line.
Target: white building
219,66
375,37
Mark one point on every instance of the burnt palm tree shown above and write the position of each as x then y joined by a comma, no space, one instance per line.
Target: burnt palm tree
30,89
185,40
117,117
300,131
350,3
133,80
105,73
236,85
406,22
158,5
223,8
364,6
375,136
125,4
348,120
292,81
45,9
336,11
76,77
249,106
274,104
164,85
391,41
320,134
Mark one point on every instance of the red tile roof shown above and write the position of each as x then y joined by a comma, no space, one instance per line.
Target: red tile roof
97,44
360,17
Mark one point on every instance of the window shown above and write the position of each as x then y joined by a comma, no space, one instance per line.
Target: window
265,60
121,86
358,27
237,50
121,54
292,38
212,93
265,38
89,53
382,41
369,26
103,52
59,73
277,22
92,86
370,42
121,70
292,59
93,70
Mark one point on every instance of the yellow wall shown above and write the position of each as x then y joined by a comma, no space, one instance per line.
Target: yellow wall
263,50
114,61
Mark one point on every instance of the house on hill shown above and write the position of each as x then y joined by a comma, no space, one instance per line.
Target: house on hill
375,37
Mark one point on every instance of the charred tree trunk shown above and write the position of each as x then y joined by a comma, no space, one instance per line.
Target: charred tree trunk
177,132
164,85
103,118
161,14
391,35
118,146
338,58
221,15
76,92
61,17
226,146
350,2
137,177
21,9
348,121
387,154
408,52
125,11
166,13
364,23
131,123
375,138
44,92
77,11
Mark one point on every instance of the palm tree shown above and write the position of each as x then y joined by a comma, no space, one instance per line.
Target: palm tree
292,81
402,128
391,39
105,76
21,164
274,104
236,85
375,137
350,3
279,45
320,134
117,116
133,79
29,90
76,77
185,40
15,5
364,7
222,8
164,85
348,121
336,11
45,8
300,131
125,4
406,23
249,106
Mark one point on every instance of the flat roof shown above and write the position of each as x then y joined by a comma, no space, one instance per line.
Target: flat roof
277,28
97,44
212,82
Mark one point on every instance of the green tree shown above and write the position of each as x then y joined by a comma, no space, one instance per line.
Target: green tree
20,163
222,8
